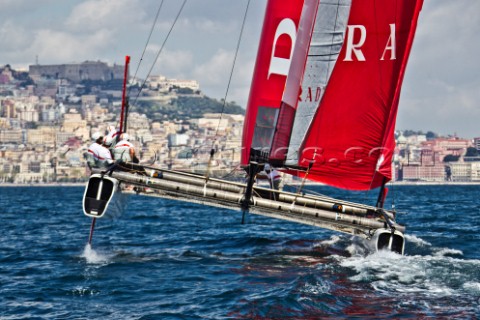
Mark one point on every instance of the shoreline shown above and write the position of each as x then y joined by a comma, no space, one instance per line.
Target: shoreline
433,183
60,184
390,184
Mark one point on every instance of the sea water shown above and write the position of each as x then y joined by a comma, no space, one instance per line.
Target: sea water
172,260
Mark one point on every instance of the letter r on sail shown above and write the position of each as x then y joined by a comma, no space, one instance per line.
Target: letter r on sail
282,65
354,48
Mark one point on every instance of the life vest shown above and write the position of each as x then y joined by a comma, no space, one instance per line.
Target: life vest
98,156
122,151
274,175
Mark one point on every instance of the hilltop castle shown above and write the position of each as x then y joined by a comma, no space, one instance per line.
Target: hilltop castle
88,70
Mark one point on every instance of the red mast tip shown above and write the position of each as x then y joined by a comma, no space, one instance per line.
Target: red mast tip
125,76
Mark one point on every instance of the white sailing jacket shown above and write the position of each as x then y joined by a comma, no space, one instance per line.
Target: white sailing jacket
99,156
122,151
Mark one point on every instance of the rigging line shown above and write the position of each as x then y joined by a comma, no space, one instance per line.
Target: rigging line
148,41
310,165
212,152
233,66
160,50
392,185
392,188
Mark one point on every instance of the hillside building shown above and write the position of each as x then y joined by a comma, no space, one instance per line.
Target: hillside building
77,72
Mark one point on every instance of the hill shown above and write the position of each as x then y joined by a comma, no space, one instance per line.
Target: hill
185,107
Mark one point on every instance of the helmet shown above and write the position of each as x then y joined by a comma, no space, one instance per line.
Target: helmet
96,136
107,140
125,136
267,167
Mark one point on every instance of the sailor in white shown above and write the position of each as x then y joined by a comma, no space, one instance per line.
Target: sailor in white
97,155
272,175
124,149
124,155
111,138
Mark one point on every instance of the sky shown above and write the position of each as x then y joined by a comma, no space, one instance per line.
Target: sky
441,90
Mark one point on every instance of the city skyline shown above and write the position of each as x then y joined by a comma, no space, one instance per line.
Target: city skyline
440,86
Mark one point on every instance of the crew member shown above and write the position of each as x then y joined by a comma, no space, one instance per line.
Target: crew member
111,138
98,155
124,150
273,176
124,155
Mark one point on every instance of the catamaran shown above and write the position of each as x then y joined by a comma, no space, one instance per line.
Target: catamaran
322,107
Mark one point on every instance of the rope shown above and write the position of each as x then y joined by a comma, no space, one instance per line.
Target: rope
229,174
233,66
299,190
392,188
212,152
160,50
148,41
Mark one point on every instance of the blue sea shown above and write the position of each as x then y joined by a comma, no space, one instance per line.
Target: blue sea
171,260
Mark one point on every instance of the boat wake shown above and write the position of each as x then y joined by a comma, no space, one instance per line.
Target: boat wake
441,273
94,257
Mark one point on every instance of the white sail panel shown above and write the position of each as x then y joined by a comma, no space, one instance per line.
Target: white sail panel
326,43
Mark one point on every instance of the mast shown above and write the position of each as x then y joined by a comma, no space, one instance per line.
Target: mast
123,112
382,194
253,169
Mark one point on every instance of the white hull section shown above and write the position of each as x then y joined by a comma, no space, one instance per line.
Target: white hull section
385,239
103,198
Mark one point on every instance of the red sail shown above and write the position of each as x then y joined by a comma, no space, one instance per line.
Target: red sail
351,138
270,74
349,92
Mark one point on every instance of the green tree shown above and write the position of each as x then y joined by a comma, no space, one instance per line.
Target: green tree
451,158
471,152
431,135
186,107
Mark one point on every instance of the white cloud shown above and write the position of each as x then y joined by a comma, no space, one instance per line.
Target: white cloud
93,14
242,77
13,35
441,85
215,74
16,6
216,70
216,27
52,46
176,63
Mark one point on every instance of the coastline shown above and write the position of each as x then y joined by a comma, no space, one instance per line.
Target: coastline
404,183
60,184
433,183
390,184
